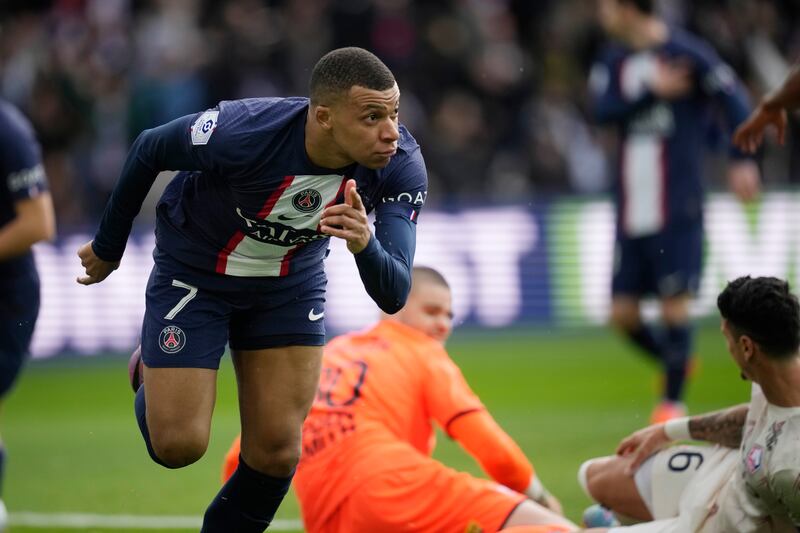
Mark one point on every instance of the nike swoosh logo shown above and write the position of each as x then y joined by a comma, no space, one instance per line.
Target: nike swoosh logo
313,317
284,217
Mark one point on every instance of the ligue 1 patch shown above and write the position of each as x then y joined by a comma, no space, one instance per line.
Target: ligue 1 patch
171,340
754,457
307,200
204,126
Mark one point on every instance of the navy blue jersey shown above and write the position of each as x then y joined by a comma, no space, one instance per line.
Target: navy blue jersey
659,168
248,201
21,174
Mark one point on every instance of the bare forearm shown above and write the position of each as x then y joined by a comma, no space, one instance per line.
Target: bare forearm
720,427
786,96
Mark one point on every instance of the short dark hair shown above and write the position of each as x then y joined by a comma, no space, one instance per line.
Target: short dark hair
645,6
765,310
339,70
425,273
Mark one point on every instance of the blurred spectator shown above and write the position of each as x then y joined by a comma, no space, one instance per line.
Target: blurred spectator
494,89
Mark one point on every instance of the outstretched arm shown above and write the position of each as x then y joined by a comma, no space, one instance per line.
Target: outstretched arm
157,149
499,456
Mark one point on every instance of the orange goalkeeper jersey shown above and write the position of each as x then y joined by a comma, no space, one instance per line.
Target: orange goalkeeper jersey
380,390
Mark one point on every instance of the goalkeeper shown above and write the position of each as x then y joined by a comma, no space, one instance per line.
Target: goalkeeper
366,461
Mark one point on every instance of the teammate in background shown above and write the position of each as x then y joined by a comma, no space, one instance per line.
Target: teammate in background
367,442
659,85
26,217
241,235
771,111
748,482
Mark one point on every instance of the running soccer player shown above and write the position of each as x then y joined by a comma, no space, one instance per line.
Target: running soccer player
771,111
659,86
241,234
26,217
367,442
750,480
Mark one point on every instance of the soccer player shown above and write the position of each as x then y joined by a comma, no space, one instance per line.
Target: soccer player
750,480
659,85
26,217
367,442
241,234
771,111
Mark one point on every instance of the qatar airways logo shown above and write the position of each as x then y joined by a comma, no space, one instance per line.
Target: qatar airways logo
277,233
655,120
415,198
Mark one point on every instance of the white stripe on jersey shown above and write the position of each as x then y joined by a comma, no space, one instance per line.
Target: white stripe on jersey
636,74
643,185
253,257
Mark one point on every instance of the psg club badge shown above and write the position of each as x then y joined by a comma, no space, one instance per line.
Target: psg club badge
754,457
172,339
307,200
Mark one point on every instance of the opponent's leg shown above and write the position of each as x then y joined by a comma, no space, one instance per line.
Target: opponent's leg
276,389
604,480
529,513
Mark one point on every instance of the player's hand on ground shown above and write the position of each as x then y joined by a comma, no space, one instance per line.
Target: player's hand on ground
744,180
348,221
750,133
96,269
641,445
672,79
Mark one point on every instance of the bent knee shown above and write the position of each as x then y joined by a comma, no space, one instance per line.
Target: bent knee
177,449
596,477
274,459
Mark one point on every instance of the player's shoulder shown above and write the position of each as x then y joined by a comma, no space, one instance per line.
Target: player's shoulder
13,124
259,114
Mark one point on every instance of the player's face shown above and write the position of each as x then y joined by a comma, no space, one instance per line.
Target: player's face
610,16
735,348
365,125
429,310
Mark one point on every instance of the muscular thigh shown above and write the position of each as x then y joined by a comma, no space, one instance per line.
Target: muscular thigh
676,258
276,389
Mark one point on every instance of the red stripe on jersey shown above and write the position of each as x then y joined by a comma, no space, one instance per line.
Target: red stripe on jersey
222,257
274,197
286,260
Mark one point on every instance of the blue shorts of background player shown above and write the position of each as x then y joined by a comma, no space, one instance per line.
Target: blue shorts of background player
665,264
19,307
191,315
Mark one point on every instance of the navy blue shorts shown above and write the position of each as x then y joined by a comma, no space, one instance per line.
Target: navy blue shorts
190,315
665,264
19,307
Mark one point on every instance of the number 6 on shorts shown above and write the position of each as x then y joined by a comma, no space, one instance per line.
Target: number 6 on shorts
183,301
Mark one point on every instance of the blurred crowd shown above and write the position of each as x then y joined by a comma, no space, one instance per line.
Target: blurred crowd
494,90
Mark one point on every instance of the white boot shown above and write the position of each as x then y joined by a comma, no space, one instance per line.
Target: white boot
3,517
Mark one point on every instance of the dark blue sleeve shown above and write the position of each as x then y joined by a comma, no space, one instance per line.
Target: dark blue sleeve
20,155
609,101
166,147
719,82
385,264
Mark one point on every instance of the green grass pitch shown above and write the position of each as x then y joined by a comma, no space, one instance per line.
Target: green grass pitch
73,445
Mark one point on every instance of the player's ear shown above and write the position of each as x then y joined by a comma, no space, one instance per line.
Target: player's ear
322,114
748,348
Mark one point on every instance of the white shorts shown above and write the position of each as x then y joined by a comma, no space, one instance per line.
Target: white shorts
679,485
